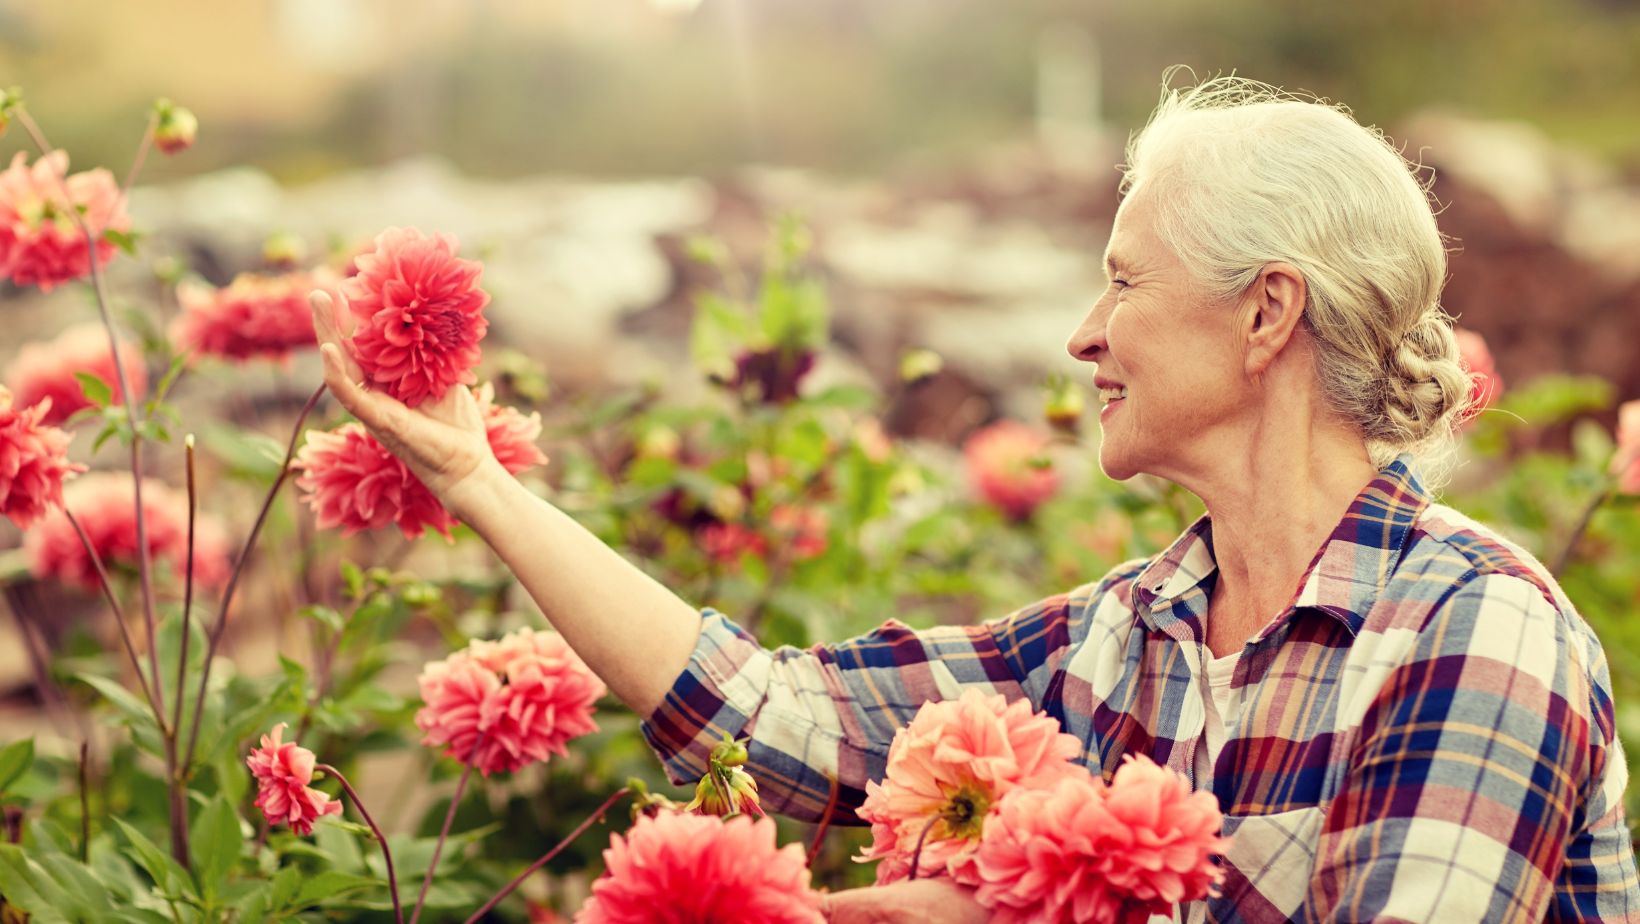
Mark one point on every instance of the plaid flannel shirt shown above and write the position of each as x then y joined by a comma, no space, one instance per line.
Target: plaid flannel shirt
1425,733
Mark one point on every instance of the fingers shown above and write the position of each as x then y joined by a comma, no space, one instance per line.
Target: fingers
374,410
327,329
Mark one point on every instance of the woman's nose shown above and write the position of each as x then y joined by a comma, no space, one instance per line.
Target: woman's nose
1089,337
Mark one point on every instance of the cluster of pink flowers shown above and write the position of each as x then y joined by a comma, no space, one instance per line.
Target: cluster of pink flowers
526,695
105,505
33,461
255,317
1008,469
699,869
46,370
354,482
992,796
800,531
40,244
283,771
419,314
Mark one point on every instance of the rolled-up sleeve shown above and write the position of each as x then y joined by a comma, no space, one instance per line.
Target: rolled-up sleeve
1484,775
829,712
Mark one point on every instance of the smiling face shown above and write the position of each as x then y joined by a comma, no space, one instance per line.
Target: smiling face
1156,336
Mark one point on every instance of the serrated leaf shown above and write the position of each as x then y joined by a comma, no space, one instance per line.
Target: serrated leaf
15,759
96,390
217,842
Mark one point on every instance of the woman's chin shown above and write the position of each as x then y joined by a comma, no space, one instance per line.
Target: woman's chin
1114,463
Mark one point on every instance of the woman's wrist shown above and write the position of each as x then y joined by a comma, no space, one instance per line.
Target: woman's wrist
474,498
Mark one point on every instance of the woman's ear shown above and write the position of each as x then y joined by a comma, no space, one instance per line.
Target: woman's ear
1275,302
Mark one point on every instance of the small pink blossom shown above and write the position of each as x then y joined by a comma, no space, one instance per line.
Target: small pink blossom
419,314
1084,851
1008,469
526,693
105,505
511,434
947,770
40,243
1626,461
255,317
46,369
353,482
283,771
802,530
1485,385
697,869
725,543
33,461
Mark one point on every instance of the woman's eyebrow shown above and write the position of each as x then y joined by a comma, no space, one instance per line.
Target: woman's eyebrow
1114,264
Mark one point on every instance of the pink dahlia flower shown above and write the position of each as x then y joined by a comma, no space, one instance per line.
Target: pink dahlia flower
526,693
283,771
1008,469
726,542
33,461
1485,385
800,529
46,370
255,317
947,770
1084,851
697,869
512,434
105,505
40,244
1626,462
419,314
352,481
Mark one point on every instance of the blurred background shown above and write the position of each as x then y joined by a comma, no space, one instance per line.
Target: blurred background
954,164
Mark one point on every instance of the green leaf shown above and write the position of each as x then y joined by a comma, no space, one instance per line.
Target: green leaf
15,759
29,888
324,616
217,842
249,455
168,875
124,240
96,390
134,708
331,883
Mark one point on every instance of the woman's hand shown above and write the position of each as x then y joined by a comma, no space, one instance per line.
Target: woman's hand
911,902
442,441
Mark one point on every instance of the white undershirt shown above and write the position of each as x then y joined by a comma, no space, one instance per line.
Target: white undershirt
1220,713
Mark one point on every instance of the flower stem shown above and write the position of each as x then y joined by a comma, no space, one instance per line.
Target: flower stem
175,782
825,822
85,805
546,858
444,832
387,853
215,636
142,155
1583,521
135,420
119,615
916,854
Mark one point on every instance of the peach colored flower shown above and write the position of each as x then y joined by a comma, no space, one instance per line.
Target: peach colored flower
727,542
46,370
800,529
527,693
283,771
40,244
1626,460
1084,851
352,481
1486,386
255,317
33,461
947,770
420,314
697,869
105,505
1008,469
511,434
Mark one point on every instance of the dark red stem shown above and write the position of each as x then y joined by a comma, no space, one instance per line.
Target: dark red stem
545,859
387,854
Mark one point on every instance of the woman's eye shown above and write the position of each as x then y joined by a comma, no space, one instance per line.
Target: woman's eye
1119,283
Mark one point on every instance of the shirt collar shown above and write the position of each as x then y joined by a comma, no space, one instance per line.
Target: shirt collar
1347,572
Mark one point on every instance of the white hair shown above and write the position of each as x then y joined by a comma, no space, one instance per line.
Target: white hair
1244,174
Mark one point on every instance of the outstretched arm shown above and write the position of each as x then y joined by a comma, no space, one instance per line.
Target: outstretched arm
630,629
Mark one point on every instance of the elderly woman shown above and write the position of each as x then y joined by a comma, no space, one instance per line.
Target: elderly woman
1401,714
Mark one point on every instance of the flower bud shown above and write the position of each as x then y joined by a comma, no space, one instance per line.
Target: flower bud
9,99
730,753
917,365
1063,405
174,128
726,791
660,443
284,251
